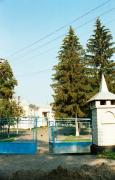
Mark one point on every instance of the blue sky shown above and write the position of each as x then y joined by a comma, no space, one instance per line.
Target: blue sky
26,21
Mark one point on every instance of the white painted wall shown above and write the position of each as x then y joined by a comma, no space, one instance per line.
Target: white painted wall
103,124
27,121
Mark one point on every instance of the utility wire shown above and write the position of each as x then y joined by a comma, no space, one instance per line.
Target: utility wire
41,71
38,55
58,29
36,72
42,45
46,69
58,37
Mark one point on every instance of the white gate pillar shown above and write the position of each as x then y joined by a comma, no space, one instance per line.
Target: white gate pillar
102,106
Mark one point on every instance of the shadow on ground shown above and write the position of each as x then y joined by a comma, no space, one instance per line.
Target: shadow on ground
102,172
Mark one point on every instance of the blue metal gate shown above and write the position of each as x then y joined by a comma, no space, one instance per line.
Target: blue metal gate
18,136
70,136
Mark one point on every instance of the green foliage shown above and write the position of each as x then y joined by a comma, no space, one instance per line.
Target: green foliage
107,155
77,76
10,110
69,79
99,53
7,80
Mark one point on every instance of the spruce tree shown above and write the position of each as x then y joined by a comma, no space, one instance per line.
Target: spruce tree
100,50
68,80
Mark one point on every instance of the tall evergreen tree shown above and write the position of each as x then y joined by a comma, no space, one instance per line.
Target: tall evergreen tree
99,53
69,83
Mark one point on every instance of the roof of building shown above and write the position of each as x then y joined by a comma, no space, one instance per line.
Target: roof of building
2,60
103,93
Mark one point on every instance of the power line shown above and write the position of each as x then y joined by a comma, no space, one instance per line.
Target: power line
58,29
34,73
46,69
40,54
58,37
42,45
41,71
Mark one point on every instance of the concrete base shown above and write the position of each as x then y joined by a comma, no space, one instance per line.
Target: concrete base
95,149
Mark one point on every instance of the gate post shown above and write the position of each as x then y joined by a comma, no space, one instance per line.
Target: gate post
35,129
76,126
103,119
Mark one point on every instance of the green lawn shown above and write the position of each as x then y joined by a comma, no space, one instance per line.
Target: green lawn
10,139
107,155
77,139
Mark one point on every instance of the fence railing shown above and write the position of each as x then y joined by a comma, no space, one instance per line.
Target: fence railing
70,130
17,129
20,129
70,135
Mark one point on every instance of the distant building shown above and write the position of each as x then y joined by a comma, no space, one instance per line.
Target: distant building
45,112
32,112
41,112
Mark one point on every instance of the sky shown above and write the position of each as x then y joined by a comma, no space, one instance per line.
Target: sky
30,38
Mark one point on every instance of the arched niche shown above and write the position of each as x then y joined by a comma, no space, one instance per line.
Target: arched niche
108,118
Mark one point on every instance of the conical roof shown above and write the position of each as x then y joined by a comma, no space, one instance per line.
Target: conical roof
103,93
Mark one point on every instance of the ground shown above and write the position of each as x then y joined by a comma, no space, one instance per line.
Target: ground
41,166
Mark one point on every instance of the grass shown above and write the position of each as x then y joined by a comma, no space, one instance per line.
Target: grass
10,139
12,136
107,155
77,139
5,138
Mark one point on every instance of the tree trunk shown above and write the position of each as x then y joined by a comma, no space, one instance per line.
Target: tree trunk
8,130
17,131
77,129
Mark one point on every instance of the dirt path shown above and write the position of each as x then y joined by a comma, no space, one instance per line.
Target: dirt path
43,145
41,164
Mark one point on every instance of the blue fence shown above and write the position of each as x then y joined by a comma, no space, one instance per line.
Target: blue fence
18,147
18,136
70,136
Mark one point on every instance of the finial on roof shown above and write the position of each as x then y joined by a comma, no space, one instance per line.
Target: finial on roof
103,93
103,85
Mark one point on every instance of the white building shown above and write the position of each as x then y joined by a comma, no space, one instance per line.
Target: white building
39,116
45,112
103,118
45,115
